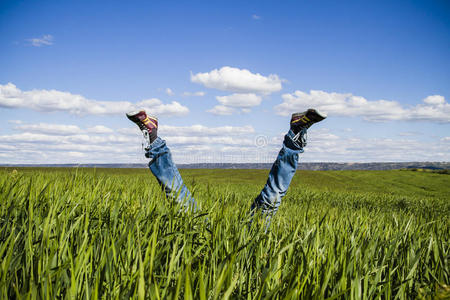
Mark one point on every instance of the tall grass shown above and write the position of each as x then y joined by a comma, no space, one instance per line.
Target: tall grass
83,234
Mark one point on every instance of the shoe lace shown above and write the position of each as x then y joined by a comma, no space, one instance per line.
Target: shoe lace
301,137
145,140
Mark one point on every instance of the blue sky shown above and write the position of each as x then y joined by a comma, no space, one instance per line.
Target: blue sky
224,77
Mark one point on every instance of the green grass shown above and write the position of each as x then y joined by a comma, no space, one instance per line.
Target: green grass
111,233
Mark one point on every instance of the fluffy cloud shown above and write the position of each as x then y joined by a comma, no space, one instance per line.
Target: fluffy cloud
240,100
433,108
434,100
53,100
45,40
238,80
221,110
247,86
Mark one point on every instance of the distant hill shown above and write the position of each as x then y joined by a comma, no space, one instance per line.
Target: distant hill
317,166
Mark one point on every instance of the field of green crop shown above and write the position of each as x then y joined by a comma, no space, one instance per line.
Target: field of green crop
110,233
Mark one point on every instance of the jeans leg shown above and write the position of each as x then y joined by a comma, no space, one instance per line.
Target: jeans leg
166,172
280,176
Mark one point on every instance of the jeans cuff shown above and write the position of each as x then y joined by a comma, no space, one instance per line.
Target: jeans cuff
156,148
156,143
290,143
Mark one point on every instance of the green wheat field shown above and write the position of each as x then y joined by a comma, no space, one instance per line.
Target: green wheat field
112,234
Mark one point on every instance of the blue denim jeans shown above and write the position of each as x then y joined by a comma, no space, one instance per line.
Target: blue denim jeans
166,172
280,176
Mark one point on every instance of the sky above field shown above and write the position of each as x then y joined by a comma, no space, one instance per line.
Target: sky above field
223,77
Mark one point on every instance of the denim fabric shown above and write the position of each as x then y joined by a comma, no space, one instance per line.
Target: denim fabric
280,176
165,171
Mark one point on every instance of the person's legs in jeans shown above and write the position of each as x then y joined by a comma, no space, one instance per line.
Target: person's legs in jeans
161,163
280,176
284,167
166,172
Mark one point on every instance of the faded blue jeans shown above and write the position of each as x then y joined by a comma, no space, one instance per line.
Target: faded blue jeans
280,176
165,171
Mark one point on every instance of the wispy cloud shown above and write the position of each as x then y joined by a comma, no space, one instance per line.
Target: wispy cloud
196,94
45,40
221,110
169,92
256,17
53,100
409,133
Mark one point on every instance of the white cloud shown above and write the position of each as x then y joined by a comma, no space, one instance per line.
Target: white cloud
207,140
99,129
156,107
201,130
195,131
45,40
170,92
256,17
434,100
221,110
75,154
323,145
55,129
7,147
45,144
197,94
240,100
60,129
238,80
199,143
248,87
53,100
30,137
433,108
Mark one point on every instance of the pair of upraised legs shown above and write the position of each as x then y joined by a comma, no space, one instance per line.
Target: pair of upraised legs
280,176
